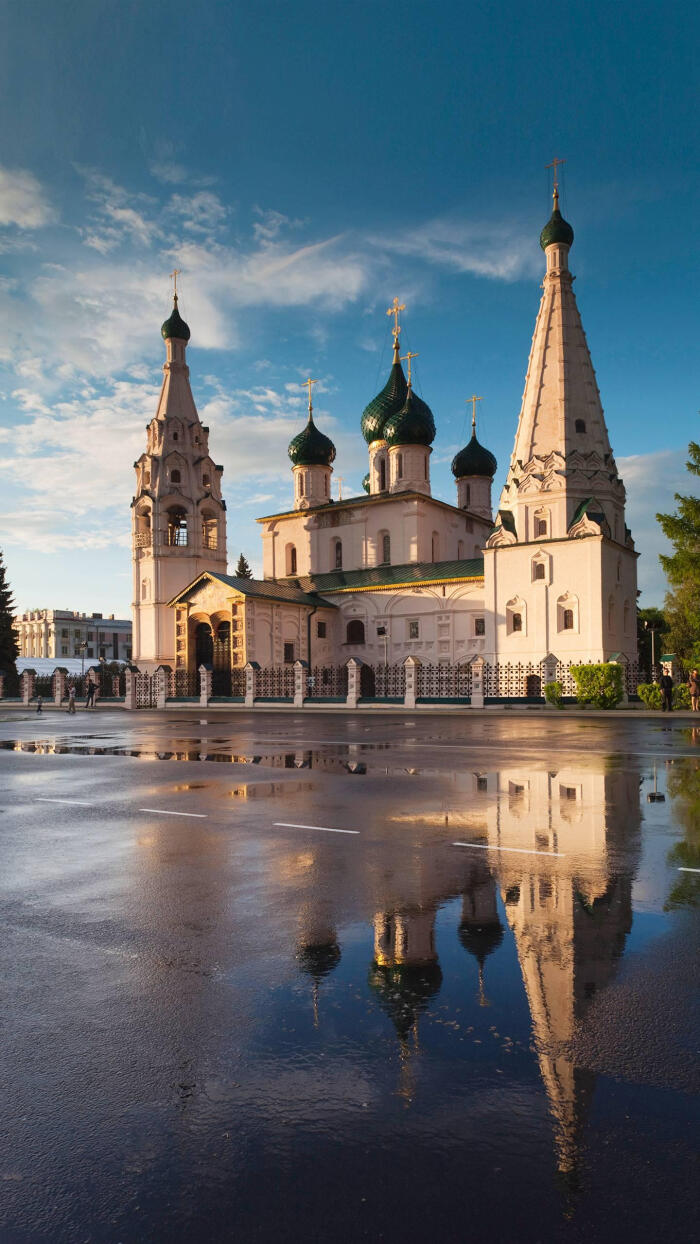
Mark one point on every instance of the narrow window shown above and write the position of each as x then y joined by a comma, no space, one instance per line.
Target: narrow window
175,477
538,570
460,550
382,475
540,526
413,629
568,620
435,546
399,466
289,654
175,436
321,630
468,495
517,622
480,626
206,482
580,425
301,485
386,549
293,560
338,555
355,633
325,485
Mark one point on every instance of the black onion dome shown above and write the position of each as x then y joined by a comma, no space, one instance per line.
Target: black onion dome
481,939
412,425
175,326
311,447
404,991
385,404
556,230
319,961
474,460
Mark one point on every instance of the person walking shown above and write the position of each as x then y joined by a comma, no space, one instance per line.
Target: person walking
666,684
90,701
39,704
694,689
71,699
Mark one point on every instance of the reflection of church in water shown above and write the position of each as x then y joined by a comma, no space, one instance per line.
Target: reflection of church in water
567,904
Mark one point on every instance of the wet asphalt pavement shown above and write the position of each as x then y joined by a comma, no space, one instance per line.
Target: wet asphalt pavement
275,977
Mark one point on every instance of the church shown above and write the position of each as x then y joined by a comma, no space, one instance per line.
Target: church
549,575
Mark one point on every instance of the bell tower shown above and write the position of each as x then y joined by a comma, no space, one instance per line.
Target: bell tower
178,514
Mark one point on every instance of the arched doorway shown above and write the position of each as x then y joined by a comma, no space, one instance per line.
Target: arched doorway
203,645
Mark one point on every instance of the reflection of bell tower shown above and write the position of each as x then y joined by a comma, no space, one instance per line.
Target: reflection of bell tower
318,952
178,515
480,930
405,975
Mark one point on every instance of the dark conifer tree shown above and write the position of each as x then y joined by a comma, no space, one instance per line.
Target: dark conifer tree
9,648
243,570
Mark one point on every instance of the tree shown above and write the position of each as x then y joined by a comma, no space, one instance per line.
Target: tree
9,648
655,619
243,570
682,568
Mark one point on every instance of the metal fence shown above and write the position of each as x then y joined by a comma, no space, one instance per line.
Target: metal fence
382,682
275,683
327,682
443,682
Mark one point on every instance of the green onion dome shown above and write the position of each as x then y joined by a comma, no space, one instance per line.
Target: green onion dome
311,447
365,482
175,326
318,961
412,425
474,460
385,404
404,991
556,230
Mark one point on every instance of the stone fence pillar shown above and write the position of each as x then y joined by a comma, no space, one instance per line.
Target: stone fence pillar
206,678
354,667
130,693
301,681
411,666
251,669
162,685
477,696
26,683
59,684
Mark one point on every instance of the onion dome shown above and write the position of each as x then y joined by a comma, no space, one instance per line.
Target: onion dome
175,326
365,482
413,424
474,460
386,403
404,991
481,939
318,961
556,229
311,447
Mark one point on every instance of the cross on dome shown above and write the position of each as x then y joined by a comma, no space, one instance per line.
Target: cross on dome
307,384
394,309
555,188
406,358
474,399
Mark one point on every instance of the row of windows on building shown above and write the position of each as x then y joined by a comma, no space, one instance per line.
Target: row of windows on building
383,544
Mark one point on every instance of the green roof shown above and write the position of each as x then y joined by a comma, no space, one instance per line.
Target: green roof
175,326
556,230
385,404
413,424
265,589
474,460
391,576
310,447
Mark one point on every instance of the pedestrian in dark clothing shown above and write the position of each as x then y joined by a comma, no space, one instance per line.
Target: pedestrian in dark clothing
694,689
39,704
90,701
666,684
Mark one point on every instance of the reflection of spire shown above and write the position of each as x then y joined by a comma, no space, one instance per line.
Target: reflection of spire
480,930
318,960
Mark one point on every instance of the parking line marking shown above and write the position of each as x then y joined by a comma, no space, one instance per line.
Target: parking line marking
167,812
324,829
681,869
79,803
479,846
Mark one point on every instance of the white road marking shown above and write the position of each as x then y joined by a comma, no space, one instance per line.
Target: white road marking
324,829
478,846
167,812
681,869
79,803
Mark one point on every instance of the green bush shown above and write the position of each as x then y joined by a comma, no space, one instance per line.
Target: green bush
600,685
650,694
681,696
554,694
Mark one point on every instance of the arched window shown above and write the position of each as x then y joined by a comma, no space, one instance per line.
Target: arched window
176,436
290,559
338,555
177,527
619,569
143,529
460,550
386,548
540,527
382,474
435,547
517,621
203,644
210,532
467,495
206,482
325,485
175,477
538,570
144,589
399,466
515,616
568,620
355,632
580,426
301,481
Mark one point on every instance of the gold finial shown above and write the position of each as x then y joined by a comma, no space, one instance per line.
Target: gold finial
406,358
306,384
394,309
173,277
555,189
340,481
474,399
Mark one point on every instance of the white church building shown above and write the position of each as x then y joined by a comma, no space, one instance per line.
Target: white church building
396,572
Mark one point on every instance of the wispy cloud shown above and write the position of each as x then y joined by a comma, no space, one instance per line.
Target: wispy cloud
499,251
23,201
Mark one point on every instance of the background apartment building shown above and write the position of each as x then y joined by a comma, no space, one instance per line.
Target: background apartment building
57,633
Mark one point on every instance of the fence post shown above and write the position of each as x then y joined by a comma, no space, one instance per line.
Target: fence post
206,675
59,684
354,667
27,681
301,679
130,694
411,666
477,696
250,670
162,685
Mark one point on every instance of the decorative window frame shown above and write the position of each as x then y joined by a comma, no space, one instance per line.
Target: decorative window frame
568,600
516,606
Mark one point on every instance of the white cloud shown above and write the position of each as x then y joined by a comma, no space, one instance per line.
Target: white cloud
168,171
22,200
500,251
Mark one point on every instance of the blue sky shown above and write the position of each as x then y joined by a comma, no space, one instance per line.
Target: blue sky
301,164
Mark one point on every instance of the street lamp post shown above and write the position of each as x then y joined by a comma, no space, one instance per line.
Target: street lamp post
649,626
83,646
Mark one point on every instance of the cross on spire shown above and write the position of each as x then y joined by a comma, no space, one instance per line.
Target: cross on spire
406,358
307,384
474,399
340,481
394,309
173,277
555,189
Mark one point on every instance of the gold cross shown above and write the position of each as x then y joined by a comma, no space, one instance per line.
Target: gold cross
306,384
173,276
555,187
340,481
394,310
406,358
474,399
